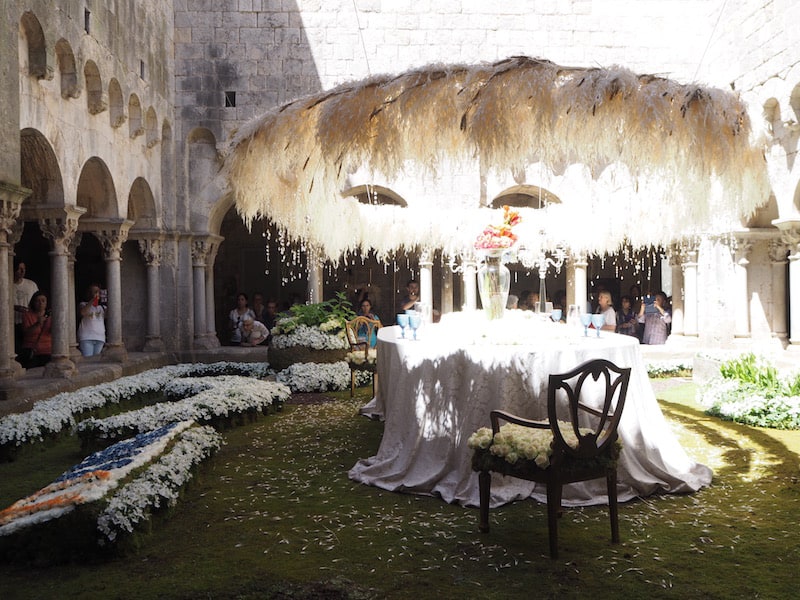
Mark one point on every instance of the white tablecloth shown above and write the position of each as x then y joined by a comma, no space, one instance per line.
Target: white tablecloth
435,392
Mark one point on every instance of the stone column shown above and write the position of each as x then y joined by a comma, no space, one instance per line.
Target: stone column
470,281
577,269
14,235
211,329
151,251
74,350
741,249
792,239
60,226
690,250
777,257
447,291
675,262
11,198
112,236
200,249
426,278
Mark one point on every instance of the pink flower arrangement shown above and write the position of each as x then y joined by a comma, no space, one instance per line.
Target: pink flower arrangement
499,236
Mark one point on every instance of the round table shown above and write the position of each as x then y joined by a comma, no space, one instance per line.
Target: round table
434,392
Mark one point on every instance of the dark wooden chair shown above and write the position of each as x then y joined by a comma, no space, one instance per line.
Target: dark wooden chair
362,333
592,420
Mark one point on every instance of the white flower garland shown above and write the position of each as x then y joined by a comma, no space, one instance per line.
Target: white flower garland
59,412
312,337
220,397
160,483
90,480
320,377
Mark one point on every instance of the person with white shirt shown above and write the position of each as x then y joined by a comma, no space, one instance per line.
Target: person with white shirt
92,328
24,289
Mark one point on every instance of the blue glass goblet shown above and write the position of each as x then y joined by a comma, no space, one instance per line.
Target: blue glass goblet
402,321
586,320
598,321
415,321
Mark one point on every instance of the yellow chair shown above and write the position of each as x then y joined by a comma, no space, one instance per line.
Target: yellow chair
362,333
592,431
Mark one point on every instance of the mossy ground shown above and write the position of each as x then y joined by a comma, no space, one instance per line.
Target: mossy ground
273,515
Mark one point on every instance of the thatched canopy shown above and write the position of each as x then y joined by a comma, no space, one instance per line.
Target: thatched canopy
679,157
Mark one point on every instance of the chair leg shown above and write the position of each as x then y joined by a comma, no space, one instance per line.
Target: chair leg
352,383
485,489
611,479
553,510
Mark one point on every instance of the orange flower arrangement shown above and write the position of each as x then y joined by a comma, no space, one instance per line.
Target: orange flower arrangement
501,236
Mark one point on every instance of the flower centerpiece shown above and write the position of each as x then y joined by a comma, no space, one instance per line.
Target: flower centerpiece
311,333
494,278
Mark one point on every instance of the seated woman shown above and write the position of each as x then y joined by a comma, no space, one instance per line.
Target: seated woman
253,333
37,339
626,318
366,311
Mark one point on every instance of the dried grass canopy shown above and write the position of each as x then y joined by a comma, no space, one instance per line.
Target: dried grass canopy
684,152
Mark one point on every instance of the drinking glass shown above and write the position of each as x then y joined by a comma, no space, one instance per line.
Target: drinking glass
598,321
586,320
414,321
402,321
573,315
556,315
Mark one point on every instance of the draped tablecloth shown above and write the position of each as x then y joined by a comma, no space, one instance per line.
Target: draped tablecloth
433,393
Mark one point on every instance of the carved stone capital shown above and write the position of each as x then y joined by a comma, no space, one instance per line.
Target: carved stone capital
60,226
200,251
112,233
151,251
426,257
778,251
579,259
740,248
11,198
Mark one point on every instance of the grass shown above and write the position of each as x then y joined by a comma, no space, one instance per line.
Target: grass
273,515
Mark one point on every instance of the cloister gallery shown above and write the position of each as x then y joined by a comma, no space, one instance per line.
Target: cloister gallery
177,156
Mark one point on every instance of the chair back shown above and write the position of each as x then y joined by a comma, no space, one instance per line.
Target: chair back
589,399
361,332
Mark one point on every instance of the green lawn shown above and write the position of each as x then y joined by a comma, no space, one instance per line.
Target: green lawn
273,514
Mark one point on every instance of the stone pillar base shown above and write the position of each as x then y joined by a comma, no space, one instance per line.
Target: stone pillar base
115,353
207,341
60,367
153,344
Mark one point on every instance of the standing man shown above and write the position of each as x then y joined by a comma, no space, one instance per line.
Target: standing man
24,289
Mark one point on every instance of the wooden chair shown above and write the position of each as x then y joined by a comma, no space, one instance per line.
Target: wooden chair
361,335
569,412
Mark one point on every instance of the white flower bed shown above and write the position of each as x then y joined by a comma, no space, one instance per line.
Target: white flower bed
219,397
311,337
159,484
320,377
59,412
94,478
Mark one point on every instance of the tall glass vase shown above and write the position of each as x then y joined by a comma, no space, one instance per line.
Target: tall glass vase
494,281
